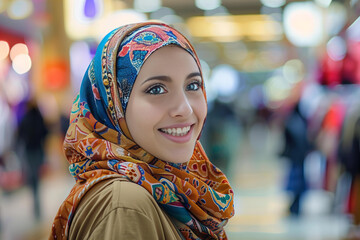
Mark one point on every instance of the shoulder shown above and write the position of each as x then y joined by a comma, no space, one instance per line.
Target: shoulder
118,205
126,194
116,193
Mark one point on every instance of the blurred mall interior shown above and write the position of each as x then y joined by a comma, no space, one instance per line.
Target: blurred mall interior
282,79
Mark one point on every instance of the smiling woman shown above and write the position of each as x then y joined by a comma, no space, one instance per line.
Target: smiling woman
173,101
133,147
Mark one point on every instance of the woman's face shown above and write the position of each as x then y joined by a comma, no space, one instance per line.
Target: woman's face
167,108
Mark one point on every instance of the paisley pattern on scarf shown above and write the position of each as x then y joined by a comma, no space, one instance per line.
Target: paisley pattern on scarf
98,145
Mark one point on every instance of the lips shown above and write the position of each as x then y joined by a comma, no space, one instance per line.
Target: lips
176,132
179,134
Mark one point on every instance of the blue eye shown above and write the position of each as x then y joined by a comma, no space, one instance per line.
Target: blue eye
194,86
157,89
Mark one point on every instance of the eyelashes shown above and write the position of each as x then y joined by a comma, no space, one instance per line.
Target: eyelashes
194,86
158,88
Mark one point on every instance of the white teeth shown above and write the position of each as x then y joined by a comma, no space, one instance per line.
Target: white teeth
176,131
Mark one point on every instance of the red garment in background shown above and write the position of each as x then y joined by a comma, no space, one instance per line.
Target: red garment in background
343,71
330,130
351,65
334,118
330,71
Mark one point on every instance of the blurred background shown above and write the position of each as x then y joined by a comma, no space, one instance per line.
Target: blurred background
282,79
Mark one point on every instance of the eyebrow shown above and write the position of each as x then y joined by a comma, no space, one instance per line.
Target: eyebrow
168,79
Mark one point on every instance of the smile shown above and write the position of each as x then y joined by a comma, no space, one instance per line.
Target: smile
176,132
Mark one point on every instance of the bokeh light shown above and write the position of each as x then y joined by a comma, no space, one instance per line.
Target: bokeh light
225,80
273,3
277,89
303,24
21,63
20,9
17,49
92,8
207,4
88,10
293,71
4,50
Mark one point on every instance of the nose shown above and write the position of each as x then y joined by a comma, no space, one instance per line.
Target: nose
180,106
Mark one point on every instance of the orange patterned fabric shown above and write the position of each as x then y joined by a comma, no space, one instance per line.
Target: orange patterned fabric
98,146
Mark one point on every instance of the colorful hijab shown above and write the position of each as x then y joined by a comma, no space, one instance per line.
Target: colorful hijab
98,145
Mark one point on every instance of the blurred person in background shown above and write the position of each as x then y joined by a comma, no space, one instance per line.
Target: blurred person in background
32,132
133,147
7,130
10,166
296,148
221,136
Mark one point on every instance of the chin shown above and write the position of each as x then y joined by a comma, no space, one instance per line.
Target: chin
180,158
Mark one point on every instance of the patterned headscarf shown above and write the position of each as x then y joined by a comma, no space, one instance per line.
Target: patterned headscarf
98,144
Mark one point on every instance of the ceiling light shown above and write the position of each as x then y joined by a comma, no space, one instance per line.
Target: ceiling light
273,3
235,27
207,4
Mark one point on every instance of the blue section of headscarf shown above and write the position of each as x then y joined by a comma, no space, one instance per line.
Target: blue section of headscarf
97,107
126,75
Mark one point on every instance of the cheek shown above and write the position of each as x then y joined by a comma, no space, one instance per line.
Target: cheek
145,115
201,109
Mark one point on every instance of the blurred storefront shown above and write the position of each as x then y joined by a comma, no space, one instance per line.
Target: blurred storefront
260,59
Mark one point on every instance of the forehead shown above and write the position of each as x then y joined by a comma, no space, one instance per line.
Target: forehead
169,58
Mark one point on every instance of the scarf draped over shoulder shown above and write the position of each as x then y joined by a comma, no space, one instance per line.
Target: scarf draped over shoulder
98,144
